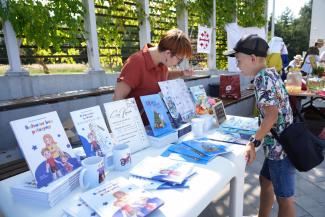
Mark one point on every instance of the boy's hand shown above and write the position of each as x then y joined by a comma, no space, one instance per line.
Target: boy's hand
250,153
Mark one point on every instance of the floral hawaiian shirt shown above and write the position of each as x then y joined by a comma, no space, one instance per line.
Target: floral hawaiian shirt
270,90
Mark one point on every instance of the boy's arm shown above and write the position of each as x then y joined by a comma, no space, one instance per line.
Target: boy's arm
270,118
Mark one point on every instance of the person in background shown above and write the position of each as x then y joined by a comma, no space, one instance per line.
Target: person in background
273,58
285,61
295,63
322,57
144,69
312,57
277,176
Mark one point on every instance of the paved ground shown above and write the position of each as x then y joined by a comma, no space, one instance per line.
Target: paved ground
310,194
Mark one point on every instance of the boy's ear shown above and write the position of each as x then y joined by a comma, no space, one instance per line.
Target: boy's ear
254,58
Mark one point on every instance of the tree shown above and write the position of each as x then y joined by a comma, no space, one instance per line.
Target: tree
295,32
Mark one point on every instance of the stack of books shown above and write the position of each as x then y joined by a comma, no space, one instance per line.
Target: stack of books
118,197
48,196
197,150
155,173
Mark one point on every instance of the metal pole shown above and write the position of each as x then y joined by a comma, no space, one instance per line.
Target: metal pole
273,15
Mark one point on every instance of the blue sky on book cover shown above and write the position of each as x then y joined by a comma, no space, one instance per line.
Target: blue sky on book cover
181,157
183,149
157,114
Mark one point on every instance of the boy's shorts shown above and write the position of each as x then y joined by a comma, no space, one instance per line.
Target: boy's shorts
282,175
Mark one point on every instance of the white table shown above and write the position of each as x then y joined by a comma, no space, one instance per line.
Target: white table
210,180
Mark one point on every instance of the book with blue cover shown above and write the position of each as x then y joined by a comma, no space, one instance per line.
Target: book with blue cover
182,157
243,123
163,169
119,197
157,114
208,147
184,149
198,94
45,146
92,131
231,135
149,184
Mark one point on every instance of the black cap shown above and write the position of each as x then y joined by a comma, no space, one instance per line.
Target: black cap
250,44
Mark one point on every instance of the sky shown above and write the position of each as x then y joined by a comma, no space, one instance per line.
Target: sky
280,6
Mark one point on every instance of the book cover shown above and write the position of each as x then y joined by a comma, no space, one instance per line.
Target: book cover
181,157
149,184
244,123
45,146
244,134
207,146
92,131
125,122
157,114
78,208
229,136
183,149
119,197
162,169
198,94
177,92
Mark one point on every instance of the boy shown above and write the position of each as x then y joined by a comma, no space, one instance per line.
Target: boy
277,176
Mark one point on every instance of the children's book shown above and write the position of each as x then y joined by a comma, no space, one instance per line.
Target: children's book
119,197
177,92
126,124
78,208
183,149
45,146
225,135
243,123
162,169
157,114
244,134
92,131
208,147
149,184
198,94
181,157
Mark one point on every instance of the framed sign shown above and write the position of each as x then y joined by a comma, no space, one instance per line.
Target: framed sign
219,111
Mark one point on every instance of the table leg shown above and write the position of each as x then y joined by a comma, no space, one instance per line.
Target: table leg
237,196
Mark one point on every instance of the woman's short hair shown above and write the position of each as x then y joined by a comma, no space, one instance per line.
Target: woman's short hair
177,42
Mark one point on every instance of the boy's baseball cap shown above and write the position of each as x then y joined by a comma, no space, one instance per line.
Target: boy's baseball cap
249,44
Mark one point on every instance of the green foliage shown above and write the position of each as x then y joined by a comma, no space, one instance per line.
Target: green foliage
251,13
295,32
44,23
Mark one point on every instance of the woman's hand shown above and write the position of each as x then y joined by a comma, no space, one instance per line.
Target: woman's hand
250,153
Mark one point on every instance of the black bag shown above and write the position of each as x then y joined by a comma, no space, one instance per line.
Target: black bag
304,150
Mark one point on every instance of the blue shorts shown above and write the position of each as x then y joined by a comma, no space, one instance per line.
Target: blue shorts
282,175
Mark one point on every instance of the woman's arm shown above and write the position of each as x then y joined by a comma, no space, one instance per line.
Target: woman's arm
122,89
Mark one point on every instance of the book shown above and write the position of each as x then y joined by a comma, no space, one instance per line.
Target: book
228,135
208,147
177,92
162,169
157,114
149,184
162,140
78,208
119,197
92,131
45,146
126,124
238,122
184,149
198,94
181,157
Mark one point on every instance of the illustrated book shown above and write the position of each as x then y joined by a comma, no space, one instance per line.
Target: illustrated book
45,146
157,114
126,124
163,169
92,131
119,197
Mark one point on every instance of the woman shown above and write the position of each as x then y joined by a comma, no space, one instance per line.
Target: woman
310,63
144,69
